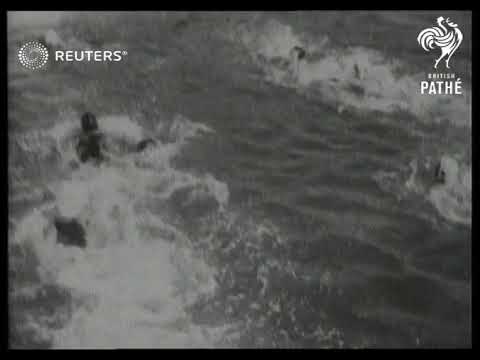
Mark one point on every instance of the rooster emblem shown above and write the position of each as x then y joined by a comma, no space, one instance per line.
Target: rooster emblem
447,38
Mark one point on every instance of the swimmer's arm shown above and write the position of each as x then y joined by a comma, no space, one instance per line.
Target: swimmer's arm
109,156
132,146
110,144
105,144
113,159
106,147
138,146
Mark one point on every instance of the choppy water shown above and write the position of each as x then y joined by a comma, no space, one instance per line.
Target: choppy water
277,212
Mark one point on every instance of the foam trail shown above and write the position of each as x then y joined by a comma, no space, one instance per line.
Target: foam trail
453,200
131,287
354,78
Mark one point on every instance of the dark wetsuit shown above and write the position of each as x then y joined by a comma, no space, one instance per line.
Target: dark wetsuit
301,53
89,147
142,145
70,232
440,176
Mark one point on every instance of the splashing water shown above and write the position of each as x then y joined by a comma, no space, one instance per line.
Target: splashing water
279,208
116,291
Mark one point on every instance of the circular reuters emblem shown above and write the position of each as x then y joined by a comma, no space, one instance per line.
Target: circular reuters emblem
33,55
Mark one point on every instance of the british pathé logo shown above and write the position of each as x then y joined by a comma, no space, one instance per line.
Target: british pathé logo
445,38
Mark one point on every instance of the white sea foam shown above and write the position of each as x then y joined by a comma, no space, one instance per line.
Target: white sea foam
355,78
132,288
183,129
121,125
453,200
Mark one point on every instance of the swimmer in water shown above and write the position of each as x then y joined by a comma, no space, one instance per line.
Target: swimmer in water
439,176
91,142
92,145
297,54
356,69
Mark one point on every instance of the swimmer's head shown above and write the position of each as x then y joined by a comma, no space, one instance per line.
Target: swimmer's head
300,52
89,122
